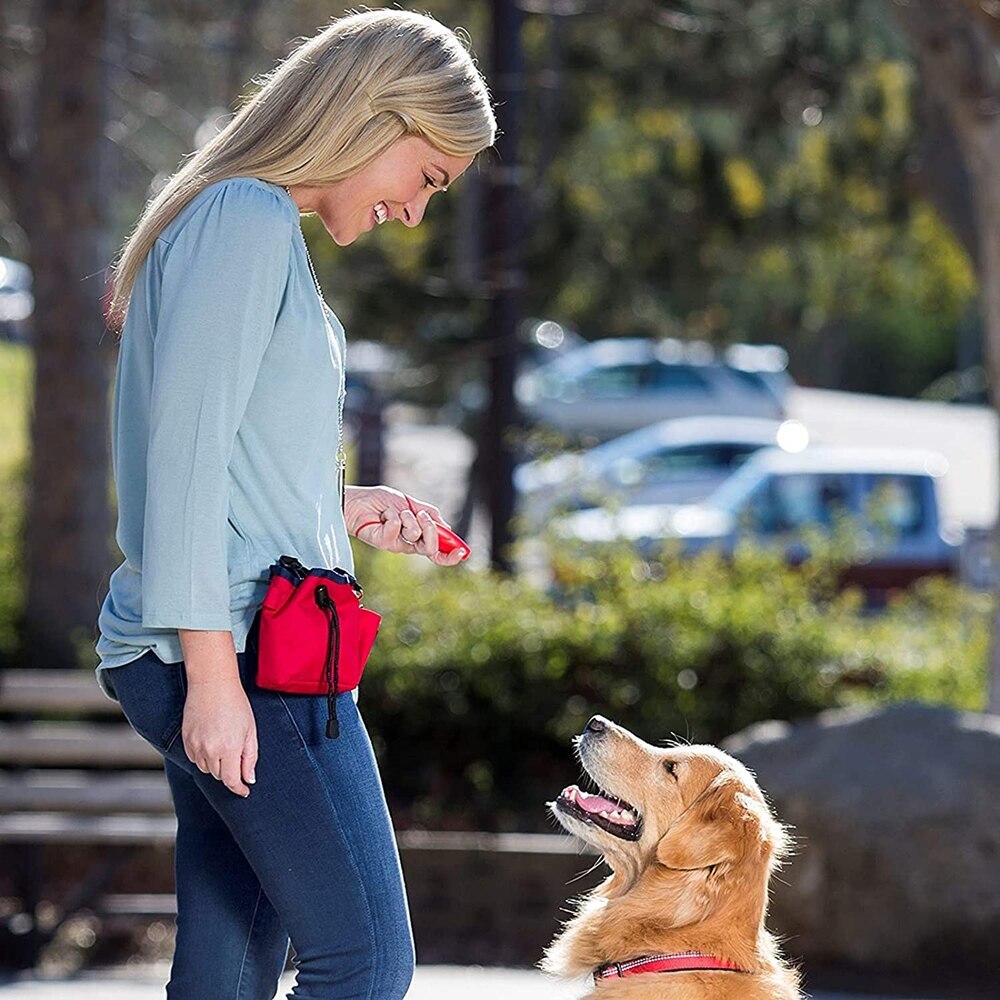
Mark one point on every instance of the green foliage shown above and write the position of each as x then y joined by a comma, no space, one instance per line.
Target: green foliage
932,645
729,172
15,388
732,174
478,683
747,180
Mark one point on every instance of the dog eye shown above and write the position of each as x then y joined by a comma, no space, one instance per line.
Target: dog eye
671,767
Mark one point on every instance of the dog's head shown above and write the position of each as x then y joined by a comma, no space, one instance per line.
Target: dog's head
686,825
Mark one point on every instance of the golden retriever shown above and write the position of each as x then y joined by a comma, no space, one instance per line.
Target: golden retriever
691,844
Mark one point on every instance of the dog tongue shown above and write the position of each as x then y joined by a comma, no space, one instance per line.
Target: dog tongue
595,803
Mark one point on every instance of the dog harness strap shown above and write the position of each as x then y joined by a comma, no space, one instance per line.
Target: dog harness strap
688,961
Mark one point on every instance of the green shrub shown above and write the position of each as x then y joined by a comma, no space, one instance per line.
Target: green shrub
478,683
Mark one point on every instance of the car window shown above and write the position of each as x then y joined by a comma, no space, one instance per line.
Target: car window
612,382
675,378
682,463
789,502
753,381
897,503
732,456
671,464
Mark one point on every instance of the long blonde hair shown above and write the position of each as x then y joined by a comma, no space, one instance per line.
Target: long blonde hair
336,102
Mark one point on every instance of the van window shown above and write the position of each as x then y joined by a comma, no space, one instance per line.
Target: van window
786,503
896,503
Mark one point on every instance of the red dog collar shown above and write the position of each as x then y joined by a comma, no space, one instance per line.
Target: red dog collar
687,961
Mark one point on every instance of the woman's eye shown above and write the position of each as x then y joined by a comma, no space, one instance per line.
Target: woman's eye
428,180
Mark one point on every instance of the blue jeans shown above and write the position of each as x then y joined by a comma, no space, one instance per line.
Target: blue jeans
310,854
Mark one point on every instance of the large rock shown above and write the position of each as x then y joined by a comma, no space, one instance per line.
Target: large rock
896,814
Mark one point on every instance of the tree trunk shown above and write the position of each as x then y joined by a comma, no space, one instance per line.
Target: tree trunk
504,255
68,522
957,45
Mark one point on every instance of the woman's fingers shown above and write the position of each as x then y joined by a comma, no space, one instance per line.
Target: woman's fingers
412,527
249,762
435,513
231,776
428,544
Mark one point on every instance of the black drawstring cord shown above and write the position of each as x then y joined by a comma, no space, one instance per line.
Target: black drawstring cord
325,602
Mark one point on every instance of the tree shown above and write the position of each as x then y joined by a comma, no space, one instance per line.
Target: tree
56,180
957,43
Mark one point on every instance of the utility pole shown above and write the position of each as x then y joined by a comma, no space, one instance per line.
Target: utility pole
505,277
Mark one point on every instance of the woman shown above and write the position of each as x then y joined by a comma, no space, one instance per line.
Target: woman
226,440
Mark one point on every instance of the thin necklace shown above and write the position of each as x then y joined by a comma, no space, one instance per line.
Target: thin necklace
312,270
341,458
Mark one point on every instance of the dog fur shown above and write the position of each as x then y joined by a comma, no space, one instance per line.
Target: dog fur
694,879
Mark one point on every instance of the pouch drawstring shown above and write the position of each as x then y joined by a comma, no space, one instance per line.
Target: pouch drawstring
326,603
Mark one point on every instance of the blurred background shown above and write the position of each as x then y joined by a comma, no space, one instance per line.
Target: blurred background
702,360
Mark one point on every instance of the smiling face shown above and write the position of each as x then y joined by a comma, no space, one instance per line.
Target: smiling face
395,186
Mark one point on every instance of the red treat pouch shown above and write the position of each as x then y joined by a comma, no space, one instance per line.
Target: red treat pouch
315,635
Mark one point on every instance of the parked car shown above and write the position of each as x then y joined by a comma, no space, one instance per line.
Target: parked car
890,493
16,300
610,387
673,461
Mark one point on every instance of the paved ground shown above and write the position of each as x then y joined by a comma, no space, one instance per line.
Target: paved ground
431,983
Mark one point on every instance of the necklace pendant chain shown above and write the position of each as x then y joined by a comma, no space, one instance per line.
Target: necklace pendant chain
341,457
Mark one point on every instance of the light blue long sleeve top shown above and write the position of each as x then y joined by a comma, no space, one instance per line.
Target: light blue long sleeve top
225,425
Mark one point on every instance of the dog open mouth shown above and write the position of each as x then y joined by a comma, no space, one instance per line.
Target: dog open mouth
612,815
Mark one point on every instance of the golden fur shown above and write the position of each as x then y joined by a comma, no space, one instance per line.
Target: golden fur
695,879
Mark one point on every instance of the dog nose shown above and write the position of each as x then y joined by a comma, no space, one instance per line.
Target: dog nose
596,725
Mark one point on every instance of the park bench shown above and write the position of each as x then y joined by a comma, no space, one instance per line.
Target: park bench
73,774
72,771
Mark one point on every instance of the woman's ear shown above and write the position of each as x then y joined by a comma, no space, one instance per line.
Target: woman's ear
709,832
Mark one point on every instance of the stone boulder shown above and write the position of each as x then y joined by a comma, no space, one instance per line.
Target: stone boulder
896,819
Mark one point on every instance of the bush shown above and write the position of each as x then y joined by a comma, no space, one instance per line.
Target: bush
478,683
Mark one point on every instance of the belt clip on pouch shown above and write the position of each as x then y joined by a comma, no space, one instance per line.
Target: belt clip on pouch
314,636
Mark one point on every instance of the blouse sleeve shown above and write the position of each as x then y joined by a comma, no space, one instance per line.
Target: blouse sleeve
223,281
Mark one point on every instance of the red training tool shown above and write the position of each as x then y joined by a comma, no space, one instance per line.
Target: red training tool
448,541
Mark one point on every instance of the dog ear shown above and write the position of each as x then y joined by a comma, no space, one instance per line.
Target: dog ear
709,832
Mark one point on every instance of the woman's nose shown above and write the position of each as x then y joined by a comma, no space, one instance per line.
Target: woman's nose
413,213
413,210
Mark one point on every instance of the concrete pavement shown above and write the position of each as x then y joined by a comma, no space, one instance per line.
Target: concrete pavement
431,983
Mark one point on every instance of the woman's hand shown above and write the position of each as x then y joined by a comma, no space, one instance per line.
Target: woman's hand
218,730
220,734
397,529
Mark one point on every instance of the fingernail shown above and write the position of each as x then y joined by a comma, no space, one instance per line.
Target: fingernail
253,778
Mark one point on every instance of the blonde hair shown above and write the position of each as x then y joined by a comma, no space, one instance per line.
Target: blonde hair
335,103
